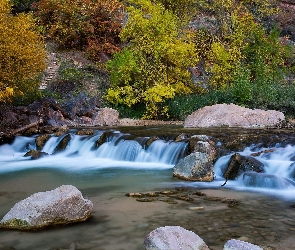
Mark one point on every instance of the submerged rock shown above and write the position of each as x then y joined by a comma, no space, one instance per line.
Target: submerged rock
173,238
239,164
35,154
62,205
231,115
240,245
262,180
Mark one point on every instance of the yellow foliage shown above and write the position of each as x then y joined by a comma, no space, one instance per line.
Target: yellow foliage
22,53
156,61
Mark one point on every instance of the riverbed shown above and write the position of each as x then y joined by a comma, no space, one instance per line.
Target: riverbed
120,222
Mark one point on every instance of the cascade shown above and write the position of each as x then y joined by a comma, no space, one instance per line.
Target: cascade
103,149
113,149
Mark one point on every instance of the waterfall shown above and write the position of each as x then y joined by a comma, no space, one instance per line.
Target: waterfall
279,172
101,150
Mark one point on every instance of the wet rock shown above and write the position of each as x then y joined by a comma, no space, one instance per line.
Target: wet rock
146,199
231,115
240,164
137,195
240,245
62,144
151,140
198,165
102,139
85,132
173,238
195,167
35,154
231,202
62,205
41,140
61,130
202,143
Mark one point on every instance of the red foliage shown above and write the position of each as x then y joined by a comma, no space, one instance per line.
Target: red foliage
82,24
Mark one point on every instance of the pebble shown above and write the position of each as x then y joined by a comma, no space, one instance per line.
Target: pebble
195,208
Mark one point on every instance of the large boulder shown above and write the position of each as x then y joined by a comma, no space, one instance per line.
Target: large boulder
173,238
239,164
106,117
198,165
82,105
195,167
62,205
231,115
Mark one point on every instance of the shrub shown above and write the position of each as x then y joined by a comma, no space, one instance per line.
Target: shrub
82,24
22,54
154,65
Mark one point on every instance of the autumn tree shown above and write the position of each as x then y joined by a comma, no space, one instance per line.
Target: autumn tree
243,54
90,25
22,53
154,65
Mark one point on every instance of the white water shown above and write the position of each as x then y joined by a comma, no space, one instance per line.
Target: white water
81,154
278,178
122,151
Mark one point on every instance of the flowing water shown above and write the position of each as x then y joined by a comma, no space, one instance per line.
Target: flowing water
124,163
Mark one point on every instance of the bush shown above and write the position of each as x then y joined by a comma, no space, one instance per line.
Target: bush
22,54
82,24
154,65
19,6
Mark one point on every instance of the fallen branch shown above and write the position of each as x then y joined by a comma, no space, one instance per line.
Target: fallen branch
224,182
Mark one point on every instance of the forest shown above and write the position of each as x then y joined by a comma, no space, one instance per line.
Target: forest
162,59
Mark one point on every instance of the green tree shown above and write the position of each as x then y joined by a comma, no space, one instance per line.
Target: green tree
154,65
22,53
242,55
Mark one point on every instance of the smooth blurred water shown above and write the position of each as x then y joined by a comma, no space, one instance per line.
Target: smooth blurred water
125,164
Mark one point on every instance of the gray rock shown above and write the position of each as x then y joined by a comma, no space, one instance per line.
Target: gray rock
195,167
62,205
173,238
201,143
239,164
231,115
106,117
240,245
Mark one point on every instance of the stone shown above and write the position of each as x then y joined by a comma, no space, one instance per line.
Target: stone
62,145
85,132
41,140
35,154
239,164
62,205
240,245
195,167
202,143
231,115
82,105
106,117
173,238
